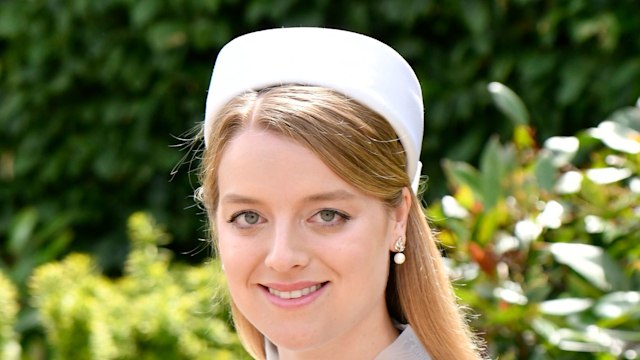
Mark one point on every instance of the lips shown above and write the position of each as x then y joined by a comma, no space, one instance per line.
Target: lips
295,293
290,291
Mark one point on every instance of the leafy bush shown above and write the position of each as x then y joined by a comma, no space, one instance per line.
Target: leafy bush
546,240
155,311
9,346
91,93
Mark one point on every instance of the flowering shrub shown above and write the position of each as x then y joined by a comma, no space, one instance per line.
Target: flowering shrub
545,241
9,347
155,311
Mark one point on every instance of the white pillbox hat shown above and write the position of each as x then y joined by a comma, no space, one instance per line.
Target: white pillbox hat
355,65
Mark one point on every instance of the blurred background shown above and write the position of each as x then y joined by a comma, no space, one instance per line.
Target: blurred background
98,97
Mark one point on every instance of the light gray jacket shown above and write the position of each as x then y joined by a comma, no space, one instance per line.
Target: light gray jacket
405,347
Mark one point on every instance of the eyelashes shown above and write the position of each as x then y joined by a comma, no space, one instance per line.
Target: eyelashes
325,217
246,219
329,217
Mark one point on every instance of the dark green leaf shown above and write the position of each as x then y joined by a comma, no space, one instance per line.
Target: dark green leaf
566,306
618,304
509,103
592,263
460,173
545,172
492,168
22,230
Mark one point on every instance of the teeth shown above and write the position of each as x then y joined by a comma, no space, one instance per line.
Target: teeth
295,293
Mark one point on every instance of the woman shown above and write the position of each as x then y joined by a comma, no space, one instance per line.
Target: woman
313,138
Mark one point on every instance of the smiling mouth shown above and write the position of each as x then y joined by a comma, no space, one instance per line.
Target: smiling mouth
296,293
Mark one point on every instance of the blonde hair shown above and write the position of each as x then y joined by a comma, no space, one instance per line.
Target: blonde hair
361,147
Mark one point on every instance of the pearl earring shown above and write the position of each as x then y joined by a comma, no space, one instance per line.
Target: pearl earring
399,257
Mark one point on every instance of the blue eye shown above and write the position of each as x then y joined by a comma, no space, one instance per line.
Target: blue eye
251,218
245,218
327,215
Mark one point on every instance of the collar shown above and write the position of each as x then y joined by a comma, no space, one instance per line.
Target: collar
405,347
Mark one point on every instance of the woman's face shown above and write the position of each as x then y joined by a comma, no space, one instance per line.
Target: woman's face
306,254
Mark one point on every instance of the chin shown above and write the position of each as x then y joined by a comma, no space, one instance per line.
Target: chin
294,340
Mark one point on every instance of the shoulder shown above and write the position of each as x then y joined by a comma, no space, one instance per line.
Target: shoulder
405,347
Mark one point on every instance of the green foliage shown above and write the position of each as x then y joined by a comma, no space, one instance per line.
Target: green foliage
509,103
31,242
155,311
91,93
546,240
9,346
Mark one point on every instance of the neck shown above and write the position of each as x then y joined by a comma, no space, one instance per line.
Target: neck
364,341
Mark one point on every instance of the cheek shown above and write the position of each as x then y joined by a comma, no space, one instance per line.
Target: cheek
237,259
363,253
228,247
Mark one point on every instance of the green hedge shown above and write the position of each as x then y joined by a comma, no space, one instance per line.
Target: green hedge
93,93
542,241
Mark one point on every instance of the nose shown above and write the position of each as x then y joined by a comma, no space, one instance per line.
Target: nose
287,250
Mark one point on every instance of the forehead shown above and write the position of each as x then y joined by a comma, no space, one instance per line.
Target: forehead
259,163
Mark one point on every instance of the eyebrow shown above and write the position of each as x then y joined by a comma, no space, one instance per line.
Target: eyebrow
331,195
239,199
325,196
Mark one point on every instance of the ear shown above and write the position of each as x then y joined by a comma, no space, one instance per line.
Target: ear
400,216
